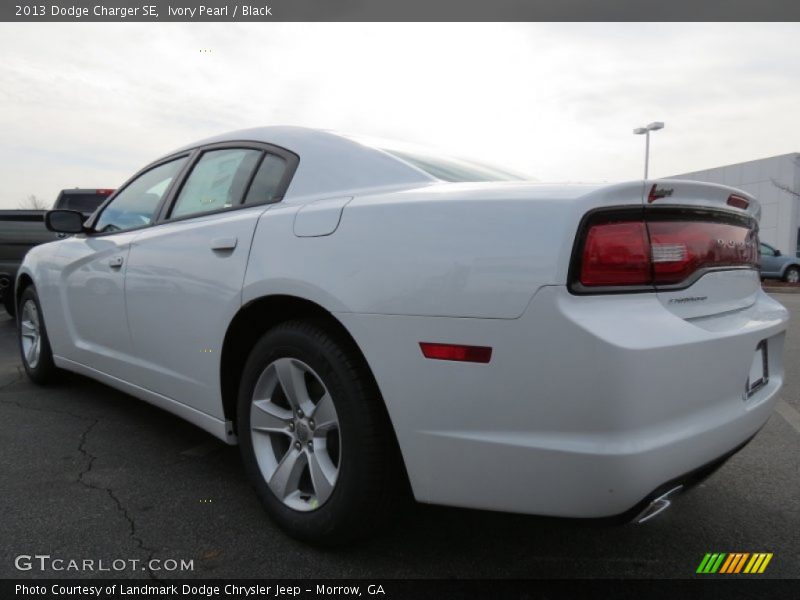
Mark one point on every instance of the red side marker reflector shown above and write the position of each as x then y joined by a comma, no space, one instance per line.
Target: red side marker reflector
476,354
738,201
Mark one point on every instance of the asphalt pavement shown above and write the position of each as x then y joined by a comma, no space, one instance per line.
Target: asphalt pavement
89,473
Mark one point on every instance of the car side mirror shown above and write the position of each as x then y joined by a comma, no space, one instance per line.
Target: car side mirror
64,221
777,252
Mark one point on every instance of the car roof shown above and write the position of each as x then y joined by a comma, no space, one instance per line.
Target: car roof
330,163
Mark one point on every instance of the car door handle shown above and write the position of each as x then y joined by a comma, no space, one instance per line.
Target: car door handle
227,243
115,262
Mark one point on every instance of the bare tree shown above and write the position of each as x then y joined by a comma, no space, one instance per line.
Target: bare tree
34,203
788,188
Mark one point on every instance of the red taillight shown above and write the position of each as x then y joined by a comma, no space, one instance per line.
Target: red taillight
104,192
680,249
616,254
477,354
668,252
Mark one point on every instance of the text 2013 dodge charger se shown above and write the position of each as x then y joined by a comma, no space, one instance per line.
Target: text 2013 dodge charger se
363,319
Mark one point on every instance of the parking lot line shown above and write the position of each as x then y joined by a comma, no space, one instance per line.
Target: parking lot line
789,414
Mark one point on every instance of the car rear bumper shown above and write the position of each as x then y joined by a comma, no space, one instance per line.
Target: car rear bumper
652,504
588,405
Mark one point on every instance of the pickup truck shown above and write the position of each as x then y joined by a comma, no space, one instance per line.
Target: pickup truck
21,230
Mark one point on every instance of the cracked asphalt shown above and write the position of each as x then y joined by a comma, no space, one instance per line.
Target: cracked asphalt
91,473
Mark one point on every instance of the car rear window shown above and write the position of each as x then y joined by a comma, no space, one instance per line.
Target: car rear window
453,169
85,203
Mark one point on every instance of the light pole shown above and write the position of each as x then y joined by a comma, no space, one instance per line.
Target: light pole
654,126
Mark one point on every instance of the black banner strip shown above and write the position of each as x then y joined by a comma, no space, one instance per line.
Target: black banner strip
400,10
708,587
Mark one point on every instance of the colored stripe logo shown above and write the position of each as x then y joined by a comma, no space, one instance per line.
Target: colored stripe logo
734,562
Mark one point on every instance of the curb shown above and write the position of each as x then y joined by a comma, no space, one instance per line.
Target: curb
782,290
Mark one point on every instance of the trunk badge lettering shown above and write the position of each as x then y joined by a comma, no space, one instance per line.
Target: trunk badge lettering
734,243
656,193
688,299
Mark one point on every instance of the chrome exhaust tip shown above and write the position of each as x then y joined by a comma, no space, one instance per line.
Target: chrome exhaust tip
658,505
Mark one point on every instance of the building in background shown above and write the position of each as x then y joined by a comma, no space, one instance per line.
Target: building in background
775,182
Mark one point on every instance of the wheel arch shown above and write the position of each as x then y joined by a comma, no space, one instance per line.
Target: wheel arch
253,320
258,316
24,280
787,266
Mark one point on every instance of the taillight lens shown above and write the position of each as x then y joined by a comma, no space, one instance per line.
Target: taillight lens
616,254
649,252
679,249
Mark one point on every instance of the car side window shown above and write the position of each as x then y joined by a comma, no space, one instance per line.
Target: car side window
766,250
217,181
266,184
136,204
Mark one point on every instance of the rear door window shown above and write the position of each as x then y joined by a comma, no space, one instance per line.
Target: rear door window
219,180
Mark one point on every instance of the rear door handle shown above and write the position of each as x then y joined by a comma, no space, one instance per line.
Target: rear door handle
227,243
115,262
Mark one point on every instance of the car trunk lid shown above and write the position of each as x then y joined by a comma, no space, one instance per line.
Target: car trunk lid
694,244
704,240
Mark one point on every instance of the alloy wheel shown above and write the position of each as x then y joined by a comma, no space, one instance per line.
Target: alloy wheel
30,332
295,433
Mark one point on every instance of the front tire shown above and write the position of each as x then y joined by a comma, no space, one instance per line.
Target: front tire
315,437
792,275
34,345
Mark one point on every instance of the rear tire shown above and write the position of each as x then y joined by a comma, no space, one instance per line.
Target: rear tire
792,275
34,345
315,437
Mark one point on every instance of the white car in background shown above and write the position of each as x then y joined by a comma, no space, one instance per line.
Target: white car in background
364,319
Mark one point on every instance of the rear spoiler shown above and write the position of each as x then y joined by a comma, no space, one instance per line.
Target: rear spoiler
698,194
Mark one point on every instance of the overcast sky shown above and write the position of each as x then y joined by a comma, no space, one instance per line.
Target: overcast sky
88,104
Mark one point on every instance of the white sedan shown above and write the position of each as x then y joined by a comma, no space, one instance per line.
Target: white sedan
367,319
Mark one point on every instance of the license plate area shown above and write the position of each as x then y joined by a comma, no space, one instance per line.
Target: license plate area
758,376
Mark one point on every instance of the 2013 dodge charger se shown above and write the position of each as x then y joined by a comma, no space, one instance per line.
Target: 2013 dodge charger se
364,319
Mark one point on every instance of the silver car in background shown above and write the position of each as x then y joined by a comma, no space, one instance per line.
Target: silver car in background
775,265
